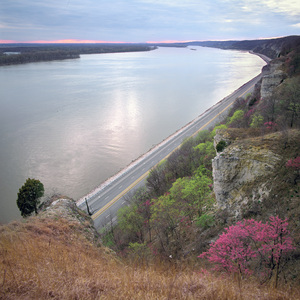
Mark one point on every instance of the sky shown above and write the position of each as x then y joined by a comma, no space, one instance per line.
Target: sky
139,21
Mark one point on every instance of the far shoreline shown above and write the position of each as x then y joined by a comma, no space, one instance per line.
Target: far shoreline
33,53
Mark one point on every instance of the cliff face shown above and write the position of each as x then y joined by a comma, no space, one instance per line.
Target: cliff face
241,172
273,75
244,172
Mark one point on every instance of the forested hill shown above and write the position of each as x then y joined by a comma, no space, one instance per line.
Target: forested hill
25,53
272,48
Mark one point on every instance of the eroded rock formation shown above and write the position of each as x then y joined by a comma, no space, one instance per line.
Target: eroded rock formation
273,75
240,172
59,207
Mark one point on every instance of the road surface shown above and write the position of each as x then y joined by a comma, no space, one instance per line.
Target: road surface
106,200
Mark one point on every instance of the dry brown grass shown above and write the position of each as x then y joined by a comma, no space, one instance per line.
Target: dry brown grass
46,259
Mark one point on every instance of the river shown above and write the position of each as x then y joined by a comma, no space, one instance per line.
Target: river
74,123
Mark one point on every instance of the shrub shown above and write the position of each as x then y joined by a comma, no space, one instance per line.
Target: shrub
205,221
294,163
257,121
252,101
270,125
237,116
221,146
222,126
250,242
202,136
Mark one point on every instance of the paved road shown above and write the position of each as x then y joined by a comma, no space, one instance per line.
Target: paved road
108,198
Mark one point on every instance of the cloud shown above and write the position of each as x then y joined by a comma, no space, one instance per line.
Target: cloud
288,7
142,20
6,26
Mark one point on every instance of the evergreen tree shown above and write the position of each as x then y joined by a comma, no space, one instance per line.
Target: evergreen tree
28,196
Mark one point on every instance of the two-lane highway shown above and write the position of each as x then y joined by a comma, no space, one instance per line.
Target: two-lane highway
105,201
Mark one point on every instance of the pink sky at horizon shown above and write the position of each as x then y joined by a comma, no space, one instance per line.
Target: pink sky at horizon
65,41
75,41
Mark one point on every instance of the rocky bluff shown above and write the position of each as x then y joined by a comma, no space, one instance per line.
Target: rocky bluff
251,169
242,170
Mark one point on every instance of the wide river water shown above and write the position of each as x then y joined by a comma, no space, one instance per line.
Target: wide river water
72,124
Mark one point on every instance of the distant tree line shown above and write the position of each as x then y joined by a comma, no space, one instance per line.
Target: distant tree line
269,47
35,53
111,48
36,56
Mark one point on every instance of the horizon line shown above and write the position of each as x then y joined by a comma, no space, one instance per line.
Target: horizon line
78,41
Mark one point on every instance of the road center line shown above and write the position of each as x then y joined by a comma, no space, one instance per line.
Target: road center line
109,204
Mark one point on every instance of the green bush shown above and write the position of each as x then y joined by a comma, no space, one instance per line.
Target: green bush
205,221
221,146
257,121
238,115
222,126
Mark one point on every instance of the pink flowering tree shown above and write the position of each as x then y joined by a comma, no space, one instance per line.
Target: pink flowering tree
270,125
295,165
250,243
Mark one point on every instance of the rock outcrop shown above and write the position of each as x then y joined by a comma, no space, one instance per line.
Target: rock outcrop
240,172
273,75
59,207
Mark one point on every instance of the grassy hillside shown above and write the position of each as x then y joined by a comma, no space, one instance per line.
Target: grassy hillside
48,259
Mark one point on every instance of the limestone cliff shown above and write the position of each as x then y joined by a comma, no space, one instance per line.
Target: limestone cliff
273,75
250,174
240,171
